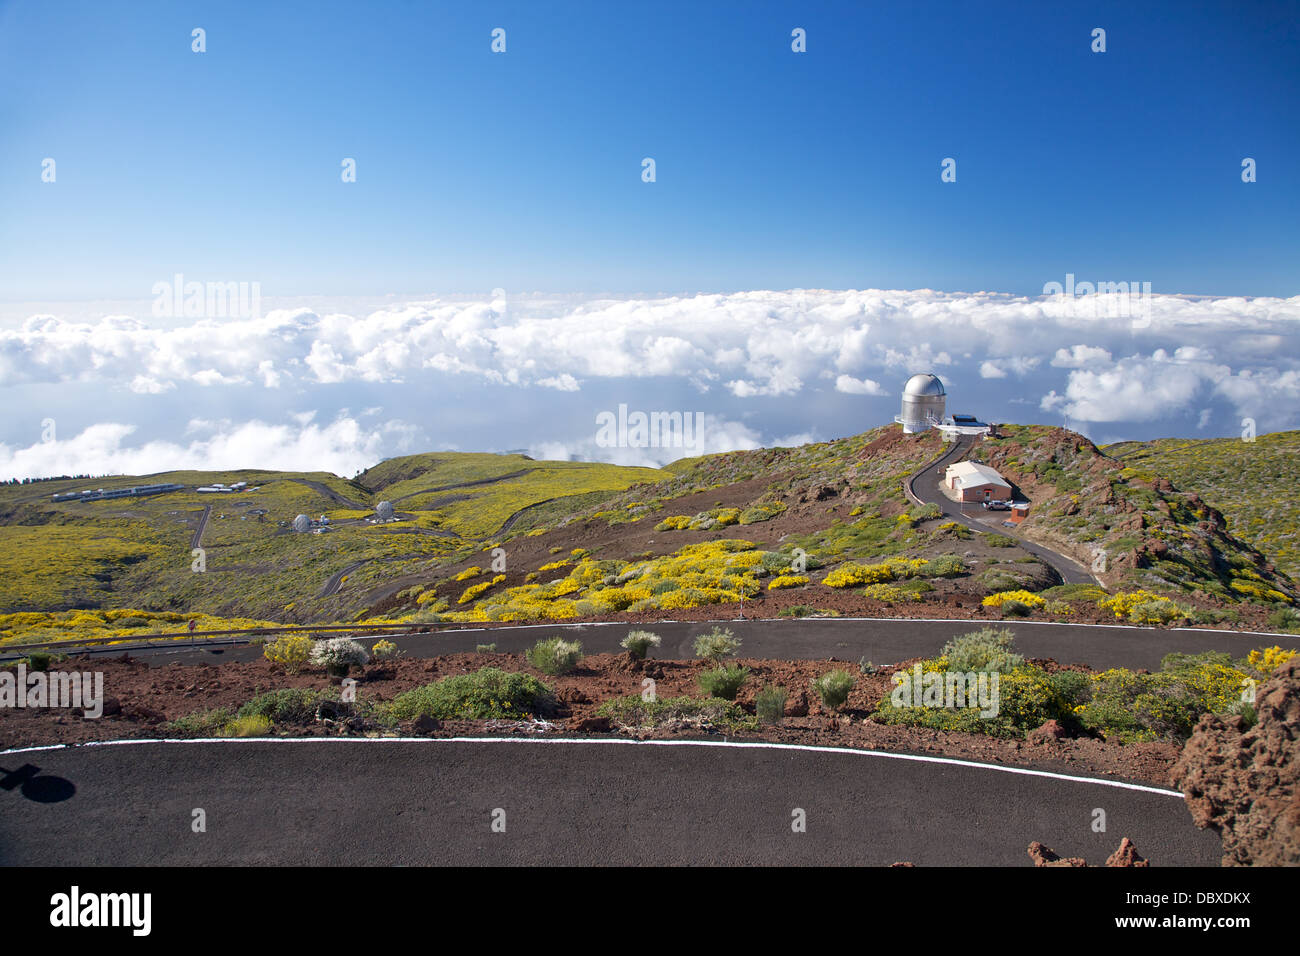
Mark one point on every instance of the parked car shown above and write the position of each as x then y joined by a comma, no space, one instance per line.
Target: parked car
997,506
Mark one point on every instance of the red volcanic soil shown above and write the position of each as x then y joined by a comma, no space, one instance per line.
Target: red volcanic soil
143,698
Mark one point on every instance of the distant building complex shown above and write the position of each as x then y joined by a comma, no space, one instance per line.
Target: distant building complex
217,488
99,494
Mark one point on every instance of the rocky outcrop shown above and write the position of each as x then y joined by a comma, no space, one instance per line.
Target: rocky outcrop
1126,855
1242,782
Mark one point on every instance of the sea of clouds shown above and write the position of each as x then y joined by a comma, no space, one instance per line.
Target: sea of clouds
131,394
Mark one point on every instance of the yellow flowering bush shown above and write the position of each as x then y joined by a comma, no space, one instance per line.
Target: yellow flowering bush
1132,706
1141,607
470,572
851,574
1251,589
290,651
1265,660
474,590
554,566
709,573
1027,598
674,523
787,581
889,594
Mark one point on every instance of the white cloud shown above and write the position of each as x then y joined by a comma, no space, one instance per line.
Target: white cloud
562,383
858,386
718,435
342,446
1080,356
1135,389
1243,352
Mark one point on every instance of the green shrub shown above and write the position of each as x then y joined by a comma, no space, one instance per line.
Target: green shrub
487,693
945,566
38,661
723,682
806,610
1284,619
1155,612
288,705
638,643
927,512
716,645
988,649
1025,699
769,704
291,652
761,511
555,655
1013,608
634,713
1133,706
203,723
1072,688
252,726
999,541
485,648
1057,609
833,688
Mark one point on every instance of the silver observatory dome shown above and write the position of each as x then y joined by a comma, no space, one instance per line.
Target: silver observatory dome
924,399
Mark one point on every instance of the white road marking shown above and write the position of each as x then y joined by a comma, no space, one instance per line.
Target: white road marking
606,741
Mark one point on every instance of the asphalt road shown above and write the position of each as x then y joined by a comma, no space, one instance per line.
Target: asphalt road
881,642
427,802
197,540
924,485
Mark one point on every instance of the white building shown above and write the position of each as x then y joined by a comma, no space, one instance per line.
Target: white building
976,482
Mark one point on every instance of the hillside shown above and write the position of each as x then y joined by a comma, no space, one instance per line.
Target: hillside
1251,483
826,527
137,552
822,528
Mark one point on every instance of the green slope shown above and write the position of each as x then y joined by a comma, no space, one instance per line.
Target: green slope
1252,483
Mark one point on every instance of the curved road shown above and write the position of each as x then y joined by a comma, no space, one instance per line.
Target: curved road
431,802
846,639
465,484
197,540
923,486
331,494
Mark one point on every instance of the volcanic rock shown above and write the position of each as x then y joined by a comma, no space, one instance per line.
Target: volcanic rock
1244,783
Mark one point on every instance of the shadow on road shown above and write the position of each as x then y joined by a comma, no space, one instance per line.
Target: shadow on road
34,787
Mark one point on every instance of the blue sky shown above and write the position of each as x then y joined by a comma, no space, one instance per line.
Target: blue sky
775,170
743,284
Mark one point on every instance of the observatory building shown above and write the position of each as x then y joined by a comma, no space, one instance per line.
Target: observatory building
923,403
